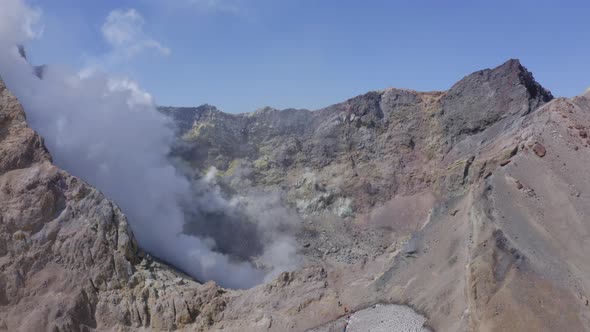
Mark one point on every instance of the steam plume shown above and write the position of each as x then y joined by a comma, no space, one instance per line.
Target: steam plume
107,131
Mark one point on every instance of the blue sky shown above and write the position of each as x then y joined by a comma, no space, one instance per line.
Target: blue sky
241,55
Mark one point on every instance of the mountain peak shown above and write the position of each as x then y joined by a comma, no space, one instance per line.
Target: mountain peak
526,78
487,96
512,63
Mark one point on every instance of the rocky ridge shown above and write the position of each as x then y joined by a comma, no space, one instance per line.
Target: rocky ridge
376,143
349,160
469,205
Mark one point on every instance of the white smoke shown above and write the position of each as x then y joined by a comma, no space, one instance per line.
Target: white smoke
19,22
107,131
258,215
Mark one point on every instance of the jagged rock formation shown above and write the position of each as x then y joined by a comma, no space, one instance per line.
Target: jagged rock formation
376,143
470,205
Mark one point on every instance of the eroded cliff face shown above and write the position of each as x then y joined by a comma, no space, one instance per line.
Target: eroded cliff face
68,260
470,205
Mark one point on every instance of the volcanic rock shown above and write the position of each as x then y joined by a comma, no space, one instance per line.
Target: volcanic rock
539,150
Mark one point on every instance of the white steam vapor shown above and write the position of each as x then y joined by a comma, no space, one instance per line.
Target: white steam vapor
260,216
19,22
106,130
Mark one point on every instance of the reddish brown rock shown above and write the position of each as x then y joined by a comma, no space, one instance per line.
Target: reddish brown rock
583,134
539,150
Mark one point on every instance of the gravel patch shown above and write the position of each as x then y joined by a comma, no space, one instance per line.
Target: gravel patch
386,318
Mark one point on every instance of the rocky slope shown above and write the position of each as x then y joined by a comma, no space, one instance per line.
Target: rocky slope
470,205
351,159
69,261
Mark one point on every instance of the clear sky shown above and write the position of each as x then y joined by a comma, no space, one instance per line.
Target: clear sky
240,55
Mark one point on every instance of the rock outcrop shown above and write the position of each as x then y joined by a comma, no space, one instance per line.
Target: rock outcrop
487,96
68,259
